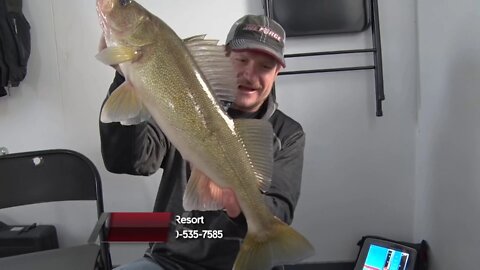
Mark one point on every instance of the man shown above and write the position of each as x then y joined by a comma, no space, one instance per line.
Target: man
255,46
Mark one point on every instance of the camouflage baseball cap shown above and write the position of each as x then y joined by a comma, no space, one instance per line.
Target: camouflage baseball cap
258,32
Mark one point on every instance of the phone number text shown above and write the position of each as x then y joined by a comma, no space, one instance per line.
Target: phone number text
196,234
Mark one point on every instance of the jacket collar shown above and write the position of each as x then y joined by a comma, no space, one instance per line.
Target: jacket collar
272,106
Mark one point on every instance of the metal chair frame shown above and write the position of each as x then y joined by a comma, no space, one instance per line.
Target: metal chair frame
49,176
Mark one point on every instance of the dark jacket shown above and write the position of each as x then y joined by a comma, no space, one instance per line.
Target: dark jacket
143,149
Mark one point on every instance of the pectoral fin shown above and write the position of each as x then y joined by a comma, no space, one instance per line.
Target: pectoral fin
124,106
201,193
118,54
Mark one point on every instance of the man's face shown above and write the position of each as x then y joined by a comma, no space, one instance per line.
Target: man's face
256,73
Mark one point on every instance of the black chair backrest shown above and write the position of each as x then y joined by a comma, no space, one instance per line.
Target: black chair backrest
317,17
46,176
49,176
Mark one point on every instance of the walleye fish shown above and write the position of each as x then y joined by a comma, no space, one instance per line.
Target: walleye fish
179,83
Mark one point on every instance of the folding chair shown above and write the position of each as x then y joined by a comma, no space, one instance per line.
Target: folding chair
322,17
50,176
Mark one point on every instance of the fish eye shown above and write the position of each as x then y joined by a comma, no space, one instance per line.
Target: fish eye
124,3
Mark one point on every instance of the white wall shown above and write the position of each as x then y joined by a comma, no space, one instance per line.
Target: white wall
448,134
359,169
358,172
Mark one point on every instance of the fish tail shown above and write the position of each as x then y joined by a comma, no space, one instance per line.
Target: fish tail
281,245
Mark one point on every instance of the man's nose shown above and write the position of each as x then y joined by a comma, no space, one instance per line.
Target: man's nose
248,71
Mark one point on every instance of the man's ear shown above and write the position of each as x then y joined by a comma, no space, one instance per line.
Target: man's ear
279,67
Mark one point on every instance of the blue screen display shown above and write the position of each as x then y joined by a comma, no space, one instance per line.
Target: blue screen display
381,258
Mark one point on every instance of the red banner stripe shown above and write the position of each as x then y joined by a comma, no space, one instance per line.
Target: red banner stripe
138,227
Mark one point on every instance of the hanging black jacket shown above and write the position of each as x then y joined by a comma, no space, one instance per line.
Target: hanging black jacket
14,43
142,149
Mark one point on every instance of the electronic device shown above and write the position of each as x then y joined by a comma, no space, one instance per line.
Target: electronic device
377,254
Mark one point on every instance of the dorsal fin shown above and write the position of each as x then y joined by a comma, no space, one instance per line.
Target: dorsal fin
215,66
197,37
257,137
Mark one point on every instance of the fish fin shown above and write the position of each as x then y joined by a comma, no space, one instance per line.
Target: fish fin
197,37
257,137
215,66
142,117
118,54
124,106
281,245
200,194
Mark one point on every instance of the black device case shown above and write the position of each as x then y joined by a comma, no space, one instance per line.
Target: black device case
15,242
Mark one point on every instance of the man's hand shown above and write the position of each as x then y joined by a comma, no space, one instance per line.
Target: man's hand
225,196
230,203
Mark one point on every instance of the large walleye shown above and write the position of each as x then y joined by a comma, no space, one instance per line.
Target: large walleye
179,83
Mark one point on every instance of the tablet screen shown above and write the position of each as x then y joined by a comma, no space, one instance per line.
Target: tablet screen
382,258
383,255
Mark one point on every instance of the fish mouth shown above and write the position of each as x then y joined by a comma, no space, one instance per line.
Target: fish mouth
104,9
105,6
113,20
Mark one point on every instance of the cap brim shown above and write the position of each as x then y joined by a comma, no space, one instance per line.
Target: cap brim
247,44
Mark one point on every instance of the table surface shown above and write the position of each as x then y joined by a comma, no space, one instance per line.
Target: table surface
73,258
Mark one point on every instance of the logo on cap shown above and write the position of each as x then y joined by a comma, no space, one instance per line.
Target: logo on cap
263,30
